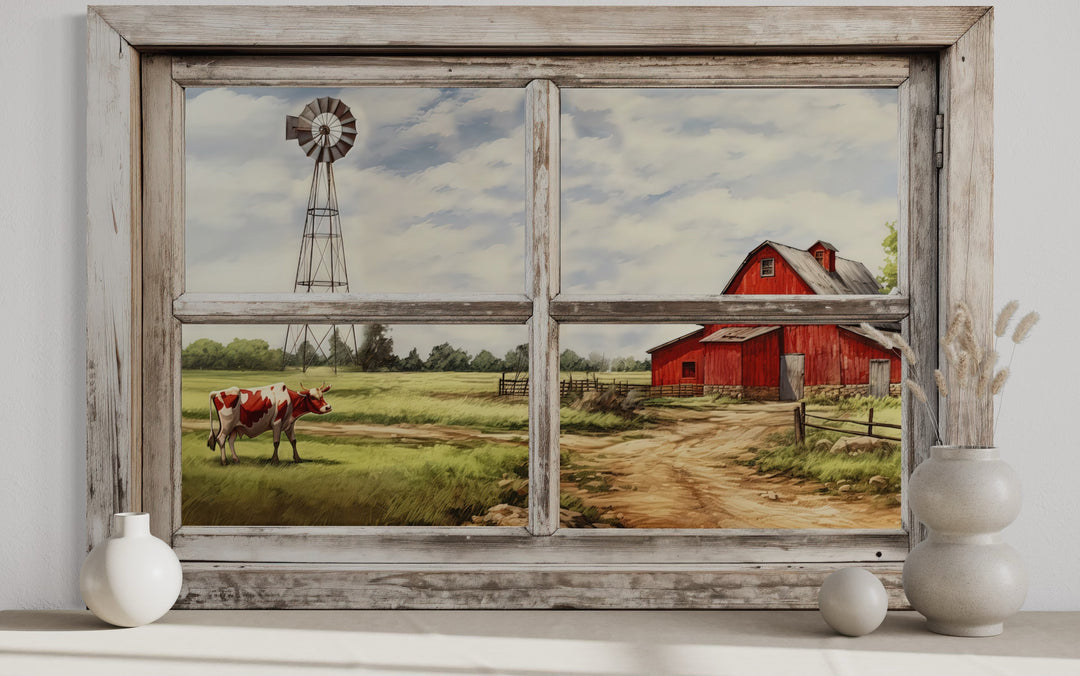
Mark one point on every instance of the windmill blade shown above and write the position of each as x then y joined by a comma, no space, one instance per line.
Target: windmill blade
329,139
292,124
310,148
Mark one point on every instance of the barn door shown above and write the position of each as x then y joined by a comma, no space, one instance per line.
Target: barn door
792,368
879,377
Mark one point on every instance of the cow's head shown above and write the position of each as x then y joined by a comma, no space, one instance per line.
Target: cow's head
313,401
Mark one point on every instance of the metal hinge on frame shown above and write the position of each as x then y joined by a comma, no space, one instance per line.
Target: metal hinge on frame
939,140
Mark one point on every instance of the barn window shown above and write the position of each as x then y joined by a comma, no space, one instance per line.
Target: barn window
819,255
689,369
140,307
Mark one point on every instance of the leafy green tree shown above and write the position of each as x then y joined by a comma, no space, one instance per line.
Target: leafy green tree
306,354
517,359
250,355
629,364
203,354
341,353
888,279
446,357
412,362
486,362
571,361
597,362
377,350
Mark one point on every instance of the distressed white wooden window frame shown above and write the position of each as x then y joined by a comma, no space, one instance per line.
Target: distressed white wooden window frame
770,269
139,60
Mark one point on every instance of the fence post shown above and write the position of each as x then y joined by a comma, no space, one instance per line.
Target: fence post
800,431
870,423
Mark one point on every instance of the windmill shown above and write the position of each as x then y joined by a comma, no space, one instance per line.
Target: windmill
326,131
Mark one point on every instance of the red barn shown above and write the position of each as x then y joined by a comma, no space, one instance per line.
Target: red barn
785,362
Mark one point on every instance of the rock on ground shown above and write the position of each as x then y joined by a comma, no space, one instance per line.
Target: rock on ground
859,445
509,515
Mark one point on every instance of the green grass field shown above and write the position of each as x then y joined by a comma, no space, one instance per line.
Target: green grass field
456,399
783,455
351,479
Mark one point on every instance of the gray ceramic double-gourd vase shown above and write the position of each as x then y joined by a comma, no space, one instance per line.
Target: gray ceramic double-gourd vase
963,577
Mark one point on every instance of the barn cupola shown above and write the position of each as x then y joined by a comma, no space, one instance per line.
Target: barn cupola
825,254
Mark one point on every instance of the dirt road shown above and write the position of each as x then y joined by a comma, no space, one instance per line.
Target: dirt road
685,474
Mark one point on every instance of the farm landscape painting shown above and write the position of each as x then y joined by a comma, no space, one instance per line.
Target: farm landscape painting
662,426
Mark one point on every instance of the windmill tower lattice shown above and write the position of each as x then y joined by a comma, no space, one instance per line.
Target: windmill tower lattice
326,131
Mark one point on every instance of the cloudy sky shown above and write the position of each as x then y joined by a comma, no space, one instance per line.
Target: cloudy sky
663,191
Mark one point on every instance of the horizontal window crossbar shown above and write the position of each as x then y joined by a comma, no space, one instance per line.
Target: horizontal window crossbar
729,309
565,71
495,545
251,585
202,308
329,308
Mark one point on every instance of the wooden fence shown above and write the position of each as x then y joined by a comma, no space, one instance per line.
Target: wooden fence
520,387
802,421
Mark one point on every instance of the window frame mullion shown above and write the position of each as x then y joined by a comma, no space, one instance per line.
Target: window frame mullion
542,197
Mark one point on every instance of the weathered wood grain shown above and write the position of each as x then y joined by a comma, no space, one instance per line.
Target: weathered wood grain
966,258
917,266
115,250
720,308
328,586
162,280
478,28
112,328
542,262
802,70
287,308
490,545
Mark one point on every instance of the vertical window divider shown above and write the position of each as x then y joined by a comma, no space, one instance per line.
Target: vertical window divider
542,112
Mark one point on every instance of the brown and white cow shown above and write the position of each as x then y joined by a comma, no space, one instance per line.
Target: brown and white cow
252,412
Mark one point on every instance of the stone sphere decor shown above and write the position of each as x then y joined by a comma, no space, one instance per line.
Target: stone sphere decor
963,577
132,578
853,601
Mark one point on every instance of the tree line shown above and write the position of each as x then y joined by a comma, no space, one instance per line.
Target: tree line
376,353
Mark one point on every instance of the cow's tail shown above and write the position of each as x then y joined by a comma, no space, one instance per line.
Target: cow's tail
212,441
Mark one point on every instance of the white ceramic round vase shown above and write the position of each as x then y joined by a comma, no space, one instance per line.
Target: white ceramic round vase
132,578
963,577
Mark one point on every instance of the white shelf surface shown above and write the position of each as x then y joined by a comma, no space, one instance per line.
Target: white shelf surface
524,643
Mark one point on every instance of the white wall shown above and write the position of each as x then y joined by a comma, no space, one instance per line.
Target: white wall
43,289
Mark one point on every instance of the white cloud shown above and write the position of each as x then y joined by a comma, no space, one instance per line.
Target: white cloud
664,191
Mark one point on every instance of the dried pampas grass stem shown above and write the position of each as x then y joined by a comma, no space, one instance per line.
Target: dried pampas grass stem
999,381
877,335
1005,316
905,349
939,380
1023,328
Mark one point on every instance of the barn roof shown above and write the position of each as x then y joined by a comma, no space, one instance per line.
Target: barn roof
675,340
823,243
737,334
859,331
851,277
